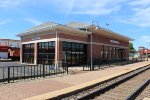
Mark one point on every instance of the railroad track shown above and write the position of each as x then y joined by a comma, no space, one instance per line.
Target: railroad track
118,88
125,89
142,92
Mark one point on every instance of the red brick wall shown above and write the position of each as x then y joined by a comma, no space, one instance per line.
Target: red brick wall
60,50
73,37
96,51
47,36
106,40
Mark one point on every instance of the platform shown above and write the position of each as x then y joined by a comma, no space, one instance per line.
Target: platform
51,87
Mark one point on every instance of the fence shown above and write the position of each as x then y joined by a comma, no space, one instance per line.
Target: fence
12,73
99,63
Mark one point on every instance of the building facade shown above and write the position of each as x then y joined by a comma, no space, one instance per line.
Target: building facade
74,43
144,51
10,43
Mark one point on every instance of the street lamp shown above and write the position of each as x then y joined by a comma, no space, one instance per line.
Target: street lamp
92,43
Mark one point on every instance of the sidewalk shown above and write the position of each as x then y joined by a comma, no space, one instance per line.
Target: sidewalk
22,90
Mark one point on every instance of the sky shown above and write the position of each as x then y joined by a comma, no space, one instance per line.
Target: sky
127,17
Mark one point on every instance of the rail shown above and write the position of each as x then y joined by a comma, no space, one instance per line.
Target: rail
138,91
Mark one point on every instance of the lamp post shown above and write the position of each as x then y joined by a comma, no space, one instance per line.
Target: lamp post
92,43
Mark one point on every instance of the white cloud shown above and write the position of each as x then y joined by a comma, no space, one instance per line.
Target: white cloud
59,6
90,7
2,22
140,13
142,17
33,21
141,3
145,39
11,3
96,7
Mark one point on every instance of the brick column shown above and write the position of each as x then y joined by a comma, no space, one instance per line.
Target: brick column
96,51
60,50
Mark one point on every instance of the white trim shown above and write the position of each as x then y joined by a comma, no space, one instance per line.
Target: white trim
77,41
42,40
27,63
70,40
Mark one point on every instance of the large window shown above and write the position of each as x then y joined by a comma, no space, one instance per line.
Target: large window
74,53
46,53
109,52
28,53
106,48
102,51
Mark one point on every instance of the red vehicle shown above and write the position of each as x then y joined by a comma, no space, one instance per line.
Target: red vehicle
14,53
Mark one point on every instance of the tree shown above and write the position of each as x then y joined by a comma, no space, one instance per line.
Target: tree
131,48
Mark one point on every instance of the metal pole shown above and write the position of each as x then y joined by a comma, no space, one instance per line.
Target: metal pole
91,47
92,44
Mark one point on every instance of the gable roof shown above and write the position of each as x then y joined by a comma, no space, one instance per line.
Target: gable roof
49,26
74,26
78,25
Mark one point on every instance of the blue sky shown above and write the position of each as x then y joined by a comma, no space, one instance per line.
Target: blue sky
127,17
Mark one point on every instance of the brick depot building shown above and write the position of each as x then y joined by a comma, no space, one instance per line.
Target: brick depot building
74,43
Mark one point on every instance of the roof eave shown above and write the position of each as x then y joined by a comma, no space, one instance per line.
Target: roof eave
73,29
50,28
130,39
34,31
